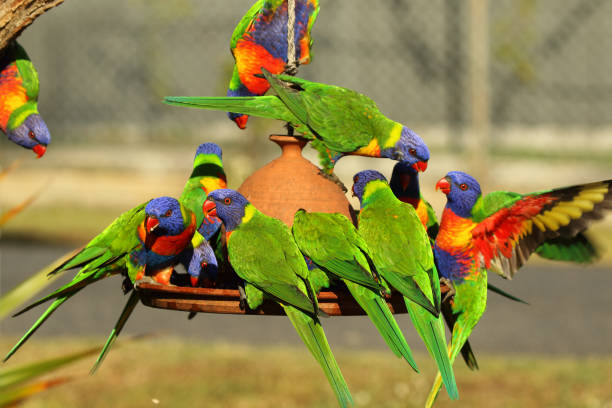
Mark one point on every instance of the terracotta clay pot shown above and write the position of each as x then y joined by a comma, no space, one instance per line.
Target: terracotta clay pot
291,182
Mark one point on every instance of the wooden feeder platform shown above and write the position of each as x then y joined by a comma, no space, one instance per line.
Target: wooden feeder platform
227,301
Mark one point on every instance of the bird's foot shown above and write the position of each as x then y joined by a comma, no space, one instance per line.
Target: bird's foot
447,289
146,279
243,301
163,275
333,178
126,285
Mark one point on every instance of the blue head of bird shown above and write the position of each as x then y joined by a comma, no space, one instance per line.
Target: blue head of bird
462,191
209,148
32,134
361,180
410,149
405,181
163,217
228,205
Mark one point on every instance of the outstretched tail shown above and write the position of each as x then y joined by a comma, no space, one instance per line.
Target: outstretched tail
378,311
431,330
57,303
312,335
125,314
460,335
268,106
78,283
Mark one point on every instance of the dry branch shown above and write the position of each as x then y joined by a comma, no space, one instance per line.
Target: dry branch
16,15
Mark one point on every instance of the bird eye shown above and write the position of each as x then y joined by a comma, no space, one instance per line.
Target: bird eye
227,201
355,179
32,135
412,151
168,213
463,186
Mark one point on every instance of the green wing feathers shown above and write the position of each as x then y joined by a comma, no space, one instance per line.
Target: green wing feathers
579,249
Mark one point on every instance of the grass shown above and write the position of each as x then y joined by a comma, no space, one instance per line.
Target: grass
168,372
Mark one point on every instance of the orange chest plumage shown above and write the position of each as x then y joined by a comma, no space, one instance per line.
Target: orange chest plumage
455,232
12,93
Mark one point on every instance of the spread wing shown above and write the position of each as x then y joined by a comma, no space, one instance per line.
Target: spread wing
514,229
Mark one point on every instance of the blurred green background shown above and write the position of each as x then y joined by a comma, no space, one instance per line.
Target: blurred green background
516,92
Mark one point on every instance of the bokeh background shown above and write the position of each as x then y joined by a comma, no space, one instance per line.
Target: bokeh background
516,92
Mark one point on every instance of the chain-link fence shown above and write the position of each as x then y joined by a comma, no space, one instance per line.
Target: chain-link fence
105,65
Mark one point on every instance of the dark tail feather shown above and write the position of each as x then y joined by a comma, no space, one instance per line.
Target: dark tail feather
125,314
497,290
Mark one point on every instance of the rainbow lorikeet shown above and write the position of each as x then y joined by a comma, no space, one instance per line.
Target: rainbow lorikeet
118,249
263,253
498,232
156,245
405,185
260,40
207,175
338,121
19,117
332,242
402,255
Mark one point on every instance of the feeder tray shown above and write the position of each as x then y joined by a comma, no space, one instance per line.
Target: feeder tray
227,301
278,189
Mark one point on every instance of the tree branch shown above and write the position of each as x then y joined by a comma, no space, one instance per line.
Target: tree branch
16,15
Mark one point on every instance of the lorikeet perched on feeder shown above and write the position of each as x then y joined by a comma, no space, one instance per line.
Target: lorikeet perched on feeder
338,121
152,246
207,175
405,185
332,242
263,253
498,232
19,117
402,255
260,40
118,249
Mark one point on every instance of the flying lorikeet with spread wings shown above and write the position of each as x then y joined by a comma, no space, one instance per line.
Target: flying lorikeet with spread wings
498,232
260,40
332,242
338,121
405,185
402,255
263,253
19,117
112,251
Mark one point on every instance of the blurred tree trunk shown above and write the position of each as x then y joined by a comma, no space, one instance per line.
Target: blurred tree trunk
16,15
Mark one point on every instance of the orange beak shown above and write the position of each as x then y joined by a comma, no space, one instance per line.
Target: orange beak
420,166
151,223
241,121
210,209
40,150
443,185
